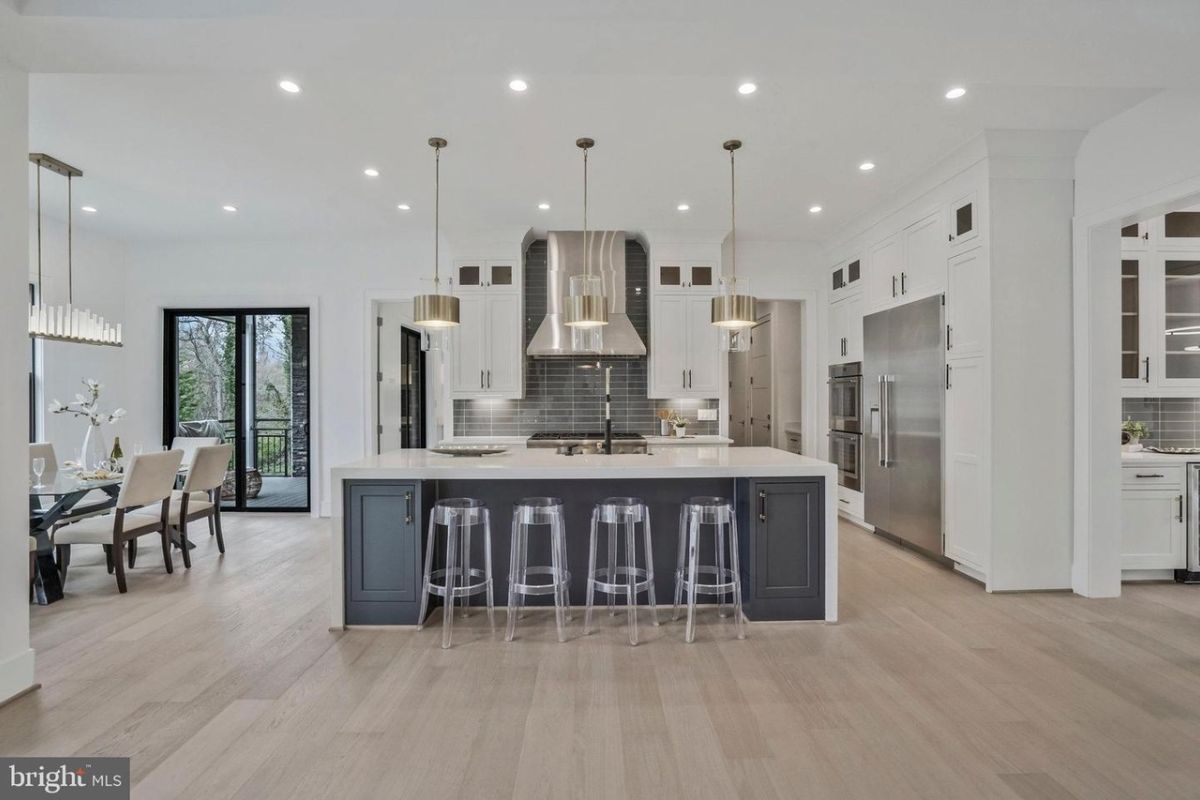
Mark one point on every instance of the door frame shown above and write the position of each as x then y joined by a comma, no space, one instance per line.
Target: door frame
169,317
1096,302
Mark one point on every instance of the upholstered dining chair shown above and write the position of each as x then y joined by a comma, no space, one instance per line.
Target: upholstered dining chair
149,479
200,496
190,444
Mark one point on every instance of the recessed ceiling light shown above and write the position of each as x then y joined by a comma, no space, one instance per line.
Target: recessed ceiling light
747,88
291,87
371,172
867,166
543,206
88,209
518,85
230,209
404,207
815,210
955,93
682,207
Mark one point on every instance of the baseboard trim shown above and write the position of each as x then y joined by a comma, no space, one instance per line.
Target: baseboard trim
16,676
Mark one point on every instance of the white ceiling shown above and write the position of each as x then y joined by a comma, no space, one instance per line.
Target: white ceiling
171,117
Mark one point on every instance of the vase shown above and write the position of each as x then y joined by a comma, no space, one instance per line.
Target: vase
664,427
94,451
680,432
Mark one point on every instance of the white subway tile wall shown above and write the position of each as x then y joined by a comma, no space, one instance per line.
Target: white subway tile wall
567,393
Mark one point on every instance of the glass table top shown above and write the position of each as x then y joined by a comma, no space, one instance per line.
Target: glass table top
63,483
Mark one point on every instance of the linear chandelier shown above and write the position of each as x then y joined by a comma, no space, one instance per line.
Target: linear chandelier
65,323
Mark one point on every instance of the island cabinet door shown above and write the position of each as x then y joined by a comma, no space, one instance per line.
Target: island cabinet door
383,552
783,555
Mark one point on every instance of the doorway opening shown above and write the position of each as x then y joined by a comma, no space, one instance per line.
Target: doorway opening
400,381
242,375
766,407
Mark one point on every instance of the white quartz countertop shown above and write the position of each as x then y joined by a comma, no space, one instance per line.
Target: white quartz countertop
522,441
1145,459
682,440
521,463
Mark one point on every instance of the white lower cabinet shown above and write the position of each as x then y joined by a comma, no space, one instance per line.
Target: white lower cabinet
1153,530
967,538
487,358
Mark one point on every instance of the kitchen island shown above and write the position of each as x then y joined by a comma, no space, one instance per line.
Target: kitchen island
786,506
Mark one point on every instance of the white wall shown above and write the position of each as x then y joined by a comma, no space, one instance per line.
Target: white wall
333,279
16,657
99,285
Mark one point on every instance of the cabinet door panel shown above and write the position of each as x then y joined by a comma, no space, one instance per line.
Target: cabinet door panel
837,332
963,220
469,357
381,552
704,349
1180,293
967,304
924,272
787,539
852,328
883,273
966,400
668,346
1152,529
504,344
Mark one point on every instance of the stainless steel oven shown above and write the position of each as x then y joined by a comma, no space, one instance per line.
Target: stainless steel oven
845,397
845,450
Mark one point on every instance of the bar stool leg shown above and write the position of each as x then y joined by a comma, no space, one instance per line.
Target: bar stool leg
429,543
631,586
514,576
591,577
680,564
612,565
738,627
650,570
452,535
558,568
689,635
565,585
720,543
487,567
523,570
465,555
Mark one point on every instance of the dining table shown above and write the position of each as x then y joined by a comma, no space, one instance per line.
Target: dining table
57,499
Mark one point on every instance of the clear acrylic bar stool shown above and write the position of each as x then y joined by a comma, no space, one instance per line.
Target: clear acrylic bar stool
528,512
458,515
626,579
716,512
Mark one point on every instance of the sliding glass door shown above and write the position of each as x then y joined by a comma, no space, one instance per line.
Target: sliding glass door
242,375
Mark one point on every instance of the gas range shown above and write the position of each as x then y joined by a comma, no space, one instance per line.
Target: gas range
574,442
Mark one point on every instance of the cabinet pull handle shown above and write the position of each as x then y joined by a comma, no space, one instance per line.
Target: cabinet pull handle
947,376
489,385
408,508
480,379
1179,499
762,506
893,286
1146,361
683,378
949,329
1150,475
843,500
903,277
689,379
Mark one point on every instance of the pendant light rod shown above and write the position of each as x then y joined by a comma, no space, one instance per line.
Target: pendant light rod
732,146
586,144
437,143
70,245
39,232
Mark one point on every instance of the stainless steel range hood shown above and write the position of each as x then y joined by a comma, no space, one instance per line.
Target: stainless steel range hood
565,257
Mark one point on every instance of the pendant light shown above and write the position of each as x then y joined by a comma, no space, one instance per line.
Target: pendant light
436,310
65,323
586,308
734,308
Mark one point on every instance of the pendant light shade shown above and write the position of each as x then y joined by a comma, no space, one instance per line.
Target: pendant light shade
65,323
436,310
586,307
734,308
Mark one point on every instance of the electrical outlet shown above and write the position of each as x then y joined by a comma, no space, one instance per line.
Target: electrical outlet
706,414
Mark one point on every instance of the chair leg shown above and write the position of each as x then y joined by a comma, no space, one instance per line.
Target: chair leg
514,575
680,562
217,524
591,577
719,529
132,545
631,585
738,625
118,564
650,569
32,573
693,546
212,525
62,554
452,533
166,548
183,543
429,542
487,567
108,558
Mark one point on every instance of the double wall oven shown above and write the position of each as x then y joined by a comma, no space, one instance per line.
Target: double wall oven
845,422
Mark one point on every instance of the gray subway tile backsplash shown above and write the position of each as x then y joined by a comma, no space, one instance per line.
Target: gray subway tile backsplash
1173,421
565,393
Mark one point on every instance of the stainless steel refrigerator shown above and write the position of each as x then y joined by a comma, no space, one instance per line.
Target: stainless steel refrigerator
904,383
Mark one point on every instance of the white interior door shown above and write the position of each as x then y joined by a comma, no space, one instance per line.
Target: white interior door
760,385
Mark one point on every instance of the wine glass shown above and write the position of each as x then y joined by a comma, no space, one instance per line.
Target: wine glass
39,466
137,448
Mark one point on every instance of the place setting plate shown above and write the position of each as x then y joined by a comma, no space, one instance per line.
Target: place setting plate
469,450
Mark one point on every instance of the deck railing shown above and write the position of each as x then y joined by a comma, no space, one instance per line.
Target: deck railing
272,444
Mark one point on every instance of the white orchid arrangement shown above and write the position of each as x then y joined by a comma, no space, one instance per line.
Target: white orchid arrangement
88,406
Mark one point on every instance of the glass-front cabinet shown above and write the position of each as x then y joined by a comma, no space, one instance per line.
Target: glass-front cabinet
1180,231
1134,364
479,274
687,276
1181,319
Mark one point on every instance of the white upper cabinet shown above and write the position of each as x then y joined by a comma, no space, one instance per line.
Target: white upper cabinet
924,270
1179,230
845,330
697,277
962,221
967,305
684,348
505,362
846,277
475,275
1135,236
488,355
468,358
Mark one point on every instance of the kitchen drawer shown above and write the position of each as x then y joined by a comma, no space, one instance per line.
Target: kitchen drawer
1152,477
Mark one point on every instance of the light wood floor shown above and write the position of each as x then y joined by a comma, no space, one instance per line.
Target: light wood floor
225,682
